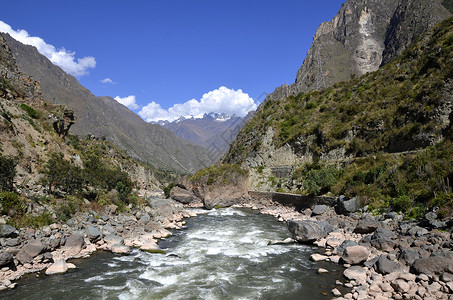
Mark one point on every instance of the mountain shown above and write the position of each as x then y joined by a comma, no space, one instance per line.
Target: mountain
214,131
103,117
364,35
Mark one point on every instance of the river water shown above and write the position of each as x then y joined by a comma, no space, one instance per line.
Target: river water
219,255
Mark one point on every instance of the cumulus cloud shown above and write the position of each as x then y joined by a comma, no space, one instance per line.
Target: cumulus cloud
129,101
107,80
221,100
61,57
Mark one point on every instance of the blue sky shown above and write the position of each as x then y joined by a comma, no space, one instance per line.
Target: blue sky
166,58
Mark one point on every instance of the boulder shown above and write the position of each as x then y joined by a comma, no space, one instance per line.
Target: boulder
34,248
93,233
12,242
318,257
151,247
417,231
7,231
382,239
224,197
57,267
365,226
408,255
74,244
182,195
6,259
319,209
400,285
355,273
346,207
120,249
383,265
347,243
355,255
433,265
309,231
23,257
113,239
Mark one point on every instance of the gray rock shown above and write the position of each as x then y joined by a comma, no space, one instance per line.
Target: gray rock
58,267
34,248
182,195
93,233
319,209
417,231
355,273
12,242
74,244
6,259
308,231
365,226
145,219
434,265
382,239
120,249
385,266
408,255
23,257
344,245
7,231
355,255
113,239
346,207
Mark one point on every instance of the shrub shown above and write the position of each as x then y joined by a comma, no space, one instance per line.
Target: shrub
167,189
7,173
31,112
60,173
320,181
11,204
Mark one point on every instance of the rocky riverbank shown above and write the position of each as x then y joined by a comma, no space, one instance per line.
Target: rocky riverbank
384,256
27,250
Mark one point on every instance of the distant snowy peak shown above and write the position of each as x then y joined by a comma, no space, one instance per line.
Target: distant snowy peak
219,117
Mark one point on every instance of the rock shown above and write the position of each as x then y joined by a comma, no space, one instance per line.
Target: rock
12,242
346,207
432,265
418,231
400,286
6,259
182,195
382,239
34,248
151,247
322,271
355,255
93,233
113,239
74,244
333,242
120,249
308,231
408,256
336,292
145,219
344,245
365,226
319,209
318,257
58,267
23,257
278,242
385,266
7,231
355,273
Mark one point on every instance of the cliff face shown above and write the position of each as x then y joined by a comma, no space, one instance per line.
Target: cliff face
103,117
364,35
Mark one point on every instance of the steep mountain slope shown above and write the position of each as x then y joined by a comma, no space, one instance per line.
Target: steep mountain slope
214,131
103,117
31,130
385,137
364,35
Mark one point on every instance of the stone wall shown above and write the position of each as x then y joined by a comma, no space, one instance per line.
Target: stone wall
298,201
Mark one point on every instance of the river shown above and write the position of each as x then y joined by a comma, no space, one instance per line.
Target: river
222,254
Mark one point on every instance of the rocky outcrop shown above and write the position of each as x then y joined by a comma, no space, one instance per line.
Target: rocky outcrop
309,231
359,39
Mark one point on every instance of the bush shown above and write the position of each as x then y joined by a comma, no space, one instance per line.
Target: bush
60,173
7,173
31,112
320,181
167,189
11,204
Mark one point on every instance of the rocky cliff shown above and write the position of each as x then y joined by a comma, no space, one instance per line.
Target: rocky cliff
103,117
364,35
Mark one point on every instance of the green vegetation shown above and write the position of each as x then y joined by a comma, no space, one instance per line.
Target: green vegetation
31,112
222,174
167,189
7,172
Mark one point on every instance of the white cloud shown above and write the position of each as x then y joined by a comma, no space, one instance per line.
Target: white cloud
221,100
107,80
61,57
128,101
